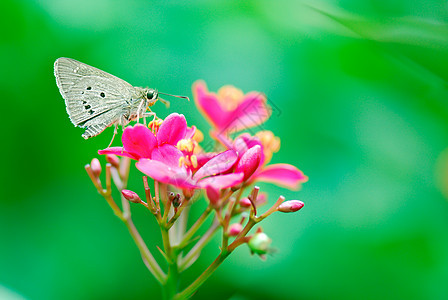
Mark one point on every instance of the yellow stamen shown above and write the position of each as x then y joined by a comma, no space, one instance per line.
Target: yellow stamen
185,145
194,161
155,124
181,161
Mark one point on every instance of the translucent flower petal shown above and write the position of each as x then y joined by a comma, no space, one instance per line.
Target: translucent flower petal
218,164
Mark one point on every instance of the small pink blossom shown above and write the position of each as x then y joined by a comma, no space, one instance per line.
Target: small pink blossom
230,110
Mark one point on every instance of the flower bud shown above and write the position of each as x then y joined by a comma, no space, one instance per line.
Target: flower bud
290,206
235,229
245,202
249,162
174,198
213,195
262,199
259,243
96,167
131,196
188,193
113,160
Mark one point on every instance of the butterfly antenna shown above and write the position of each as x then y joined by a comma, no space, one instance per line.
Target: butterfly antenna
177,96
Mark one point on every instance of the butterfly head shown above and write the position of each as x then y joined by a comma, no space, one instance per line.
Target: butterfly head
151,96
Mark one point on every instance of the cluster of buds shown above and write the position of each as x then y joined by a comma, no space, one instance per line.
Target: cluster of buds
170,156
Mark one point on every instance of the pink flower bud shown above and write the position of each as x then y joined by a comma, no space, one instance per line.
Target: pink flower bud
96,167
249,162
235,229
259,243
290,206
245,202
213,195
113,160
262,199
131,196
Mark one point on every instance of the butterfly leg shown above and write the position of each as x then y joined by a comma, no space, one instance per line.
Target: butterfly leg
138,110
149,114
115,132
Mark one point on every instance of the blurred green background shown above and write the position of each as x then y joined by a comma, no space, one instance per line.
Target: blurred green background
361,94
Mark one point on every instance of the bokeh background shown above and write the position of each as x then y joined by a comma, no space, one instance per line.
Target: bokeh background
361,96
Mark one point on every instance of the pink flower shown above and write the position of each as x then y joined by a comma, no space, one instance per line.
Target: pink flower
139,141
210,175
230,110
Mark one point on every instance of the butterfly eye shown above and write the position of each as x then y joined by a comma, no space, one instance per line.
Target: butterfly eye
150,95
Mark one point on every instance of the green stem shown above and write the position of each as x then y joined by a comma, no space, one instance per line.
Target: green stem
192,254
170,285
187,237
191,289
121,182
154,267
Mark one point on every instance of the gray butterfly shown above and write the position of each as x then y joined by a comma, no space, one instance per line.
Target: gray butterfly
96,100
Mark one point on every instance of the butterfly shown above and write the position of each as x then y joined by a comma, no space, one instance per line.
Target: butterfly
95,99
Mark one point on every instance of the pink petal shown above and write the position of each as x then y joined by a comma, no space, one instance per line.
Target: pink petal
218,164
172,130
167,154
204,157
209,105
252,111
282,174
249,162
117,151
139,141
164,173
222,181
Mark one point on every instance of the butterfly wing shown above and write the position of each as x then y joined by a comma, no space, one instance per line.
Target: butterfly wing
94,99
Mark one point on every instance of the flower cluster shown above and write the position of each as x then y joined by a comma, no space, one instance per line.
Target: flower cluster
172,154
